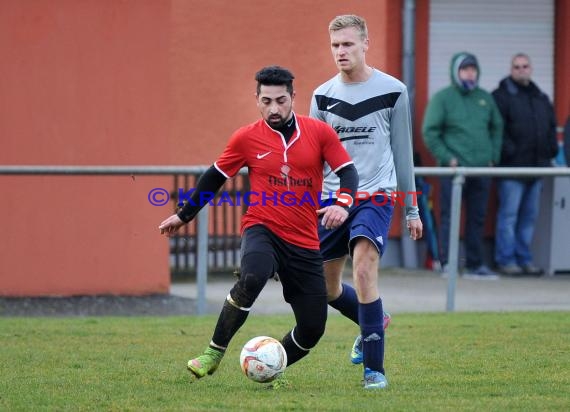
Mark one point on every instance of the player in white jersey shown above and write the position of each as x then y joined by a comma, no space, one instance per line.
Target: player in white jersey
370,112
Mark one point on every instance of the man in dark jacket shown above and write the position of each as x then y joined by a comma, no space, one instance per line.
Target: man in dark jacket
463,127
529,140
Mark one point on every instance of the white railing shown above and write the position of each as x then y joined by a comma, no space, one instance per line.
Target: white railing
458,174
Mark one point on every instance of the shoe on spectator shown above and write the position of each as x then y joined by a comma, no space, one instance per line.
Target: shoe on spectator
530,269
445,272
511,269
480,273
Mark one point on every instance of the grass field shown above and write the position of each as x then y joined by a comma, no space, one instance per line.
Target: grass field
435,362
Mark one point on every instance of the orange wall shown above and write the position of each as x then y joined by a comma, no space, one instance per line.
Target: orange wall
157,82
218,45
83,83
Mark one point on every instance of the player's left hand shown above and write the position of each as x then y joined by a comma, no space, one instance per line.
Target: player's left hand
333,216
416,228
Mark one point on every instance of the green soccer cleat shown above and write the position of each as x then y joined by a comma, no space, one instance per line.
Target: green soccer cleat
205,364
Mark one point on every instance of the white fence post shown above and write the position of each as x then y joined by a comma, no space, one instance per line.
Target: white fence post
454,228
202,236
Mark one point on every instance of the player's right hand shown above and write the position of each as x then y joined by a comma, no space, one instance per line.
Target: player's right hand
333,216
169,226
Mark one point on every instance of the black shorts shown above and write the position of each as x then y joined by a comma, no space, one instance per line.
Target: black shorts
300,270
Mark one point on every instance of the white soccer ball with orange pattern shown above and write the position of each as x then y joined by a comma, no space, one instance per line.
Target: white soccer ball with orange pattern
263,359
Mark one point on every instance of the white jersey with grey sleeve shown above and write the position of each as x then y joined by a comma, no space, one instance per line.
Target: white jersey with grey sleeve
372,120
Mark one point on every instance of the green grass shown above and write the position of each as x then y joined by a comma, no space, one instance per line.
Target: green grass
435,362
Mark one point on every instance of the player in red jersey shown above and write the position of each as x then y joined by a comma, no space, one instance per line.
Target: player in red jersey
284,154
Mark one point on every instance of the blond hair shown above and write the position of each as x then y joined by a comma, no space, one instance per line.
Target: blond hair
349,20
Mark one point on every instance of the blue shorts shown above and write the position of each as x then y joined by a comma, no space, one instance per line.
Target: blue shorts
368,220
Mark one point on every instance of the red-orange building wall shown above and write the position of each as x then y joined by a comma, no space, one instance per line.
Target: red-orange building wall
562,58
136,82
83,83
152,82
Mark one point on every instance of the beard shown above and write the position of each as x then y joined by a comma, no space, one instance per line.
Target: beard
276,121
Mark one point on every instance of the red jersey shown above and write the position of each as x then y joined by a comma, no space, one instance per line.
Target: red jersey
285,178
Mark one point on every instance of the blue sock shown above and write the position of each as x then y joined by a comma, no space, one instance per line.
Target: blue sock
370,316
347,303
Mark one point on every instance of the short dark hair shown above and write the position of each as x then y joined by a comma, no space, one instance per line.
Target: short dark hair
274,76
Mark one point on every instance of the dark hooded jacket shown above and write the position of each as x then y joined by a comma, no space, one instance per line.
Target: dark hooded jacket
529,137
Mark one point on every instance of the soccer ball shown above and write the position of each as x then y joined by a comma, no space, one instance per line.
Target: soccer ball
263,359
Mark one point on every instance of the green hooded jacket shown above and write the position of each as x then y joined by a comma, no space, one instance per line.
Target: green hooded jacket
463,123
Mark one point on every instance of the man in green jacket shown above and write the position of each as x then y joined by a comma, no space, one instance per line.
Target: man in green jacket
463,127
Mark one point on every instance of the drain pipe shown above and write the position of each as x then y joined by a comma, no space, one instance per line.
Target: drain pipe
409,51
408,246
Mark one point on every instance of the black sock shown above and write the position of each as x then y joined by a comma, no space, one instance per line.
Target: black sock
294,352
229,322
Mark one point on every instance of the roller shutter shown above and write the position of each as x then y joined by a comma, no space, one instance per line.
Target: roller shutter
494,30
